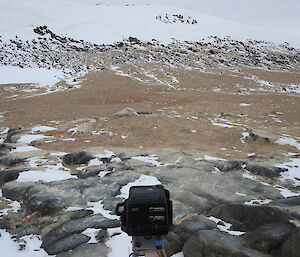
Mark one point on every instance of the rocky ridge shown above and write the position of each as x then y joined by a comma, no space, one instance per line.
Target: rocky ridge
221,208
72,56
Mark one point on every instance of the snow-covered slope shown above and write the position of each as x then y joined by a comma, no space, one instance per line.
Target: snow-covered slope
111,21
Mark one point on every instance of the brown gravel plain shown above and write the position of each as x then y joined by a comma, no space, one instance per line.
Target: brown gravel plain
202,111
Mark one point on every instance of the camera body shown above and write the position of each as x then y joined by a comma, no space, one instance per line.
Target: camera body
147,211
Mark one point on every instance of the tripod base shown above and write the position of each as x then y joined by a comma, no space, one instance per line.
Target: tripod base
148,246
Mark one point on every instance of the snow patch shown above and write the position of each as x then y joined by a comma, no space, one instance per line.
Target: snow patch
143,180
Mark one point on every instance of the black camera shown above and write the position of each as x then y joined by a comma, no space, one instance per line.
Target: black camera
147,211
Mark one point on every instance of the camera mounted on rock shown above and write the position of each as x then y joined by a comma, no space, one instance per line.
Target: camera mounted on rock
146,215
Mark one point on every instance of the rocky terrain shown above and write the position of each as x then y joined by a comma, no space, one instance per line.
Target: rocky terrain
215,121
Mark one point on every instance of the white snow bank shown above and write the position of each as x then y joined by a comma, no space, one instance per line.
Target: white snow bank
109,23
17,75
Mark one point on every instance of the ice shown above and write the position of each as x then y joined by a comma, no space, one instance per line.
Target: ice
143,180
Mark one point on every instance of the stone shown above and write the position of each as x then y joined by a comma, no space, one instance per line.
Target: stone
5,149
211,243
176,238
65,244
266,171
15,191
91,172
77,158
87,250
230,165
81,214
250,217
291,247
12,132
269,237
126,112
10,160
102,235
21,230
71,227
43,202
9,175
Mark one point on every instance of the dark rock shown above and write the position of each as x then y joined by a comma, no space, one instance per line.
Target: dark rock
9,175
15,191
12,132
291,247
65,244
77,226
196,223
24,230
5,224
81,214
210,243
10,160
266,171
89,173
250,217
37,200
102,235
290,205
230,165
268,237
77,158
4,149
176,238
